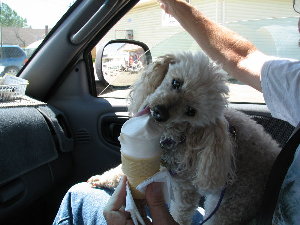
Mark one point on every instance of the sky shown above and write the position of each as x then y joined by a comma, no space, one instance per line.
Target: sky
40,12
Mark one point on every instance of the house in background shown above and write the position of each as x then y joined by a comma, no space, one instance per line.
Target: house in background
22,36
266,33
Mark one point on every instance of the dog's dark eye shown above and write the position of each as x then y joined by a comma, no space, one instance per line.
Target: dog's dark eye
176,84
190,111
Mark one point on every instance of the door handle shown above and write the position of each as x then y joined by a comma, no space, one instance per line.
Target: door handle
111,128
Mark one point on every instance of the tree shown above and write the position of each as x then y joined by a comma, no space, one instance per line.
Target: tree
10,18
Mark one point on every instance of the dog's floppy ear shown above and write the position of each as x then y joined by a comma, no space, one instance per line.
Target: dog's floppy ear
215,155
151,78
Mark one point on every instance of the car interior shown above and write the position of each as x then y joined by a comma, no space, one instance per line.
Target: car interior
66,129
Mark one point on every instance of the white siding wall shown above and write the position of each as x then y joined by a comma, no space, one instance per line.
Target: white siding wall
259,26
267,9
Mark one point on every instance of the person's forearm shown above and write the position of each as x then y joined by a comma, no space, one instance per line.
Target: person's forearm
237,56
220,43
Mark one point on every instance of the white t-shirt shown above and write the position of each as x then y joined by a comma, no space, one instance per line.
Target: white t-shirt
280,80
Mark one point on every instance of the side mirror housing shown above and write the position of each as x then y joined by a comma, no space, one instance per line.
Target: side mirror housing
118,62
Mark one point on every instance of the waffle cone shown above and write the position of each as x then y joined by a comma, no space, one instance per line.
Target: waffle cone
137,170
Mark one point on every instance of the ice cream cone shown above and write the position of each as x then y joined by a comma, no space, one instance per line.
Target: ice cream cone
137,170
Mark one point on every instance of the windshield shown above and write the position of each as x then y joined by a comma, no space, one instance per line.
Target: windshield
271,25
24,25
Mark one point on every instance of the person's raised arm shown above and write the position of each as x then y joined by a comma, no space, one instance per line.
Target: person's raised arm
238,56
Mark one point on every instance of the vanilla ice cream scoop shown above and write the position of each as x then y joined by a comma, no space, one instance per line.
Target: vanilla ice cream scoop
140,151
140,137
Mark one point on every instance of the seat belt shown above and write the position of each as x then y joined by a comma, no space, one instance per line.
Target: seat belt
276,177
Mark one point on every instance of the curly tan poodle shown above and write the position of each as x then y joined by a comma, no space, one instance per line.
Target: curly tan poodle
209,149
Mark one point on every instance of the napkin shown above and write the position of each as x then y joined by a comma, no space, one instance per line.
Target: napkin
162,176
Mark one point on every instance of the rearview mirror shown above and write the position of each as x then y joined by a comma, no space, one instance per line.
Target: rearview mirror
120,61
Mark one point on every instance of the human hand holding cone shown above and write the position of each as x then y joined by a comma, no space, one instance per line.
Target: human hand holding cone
140,151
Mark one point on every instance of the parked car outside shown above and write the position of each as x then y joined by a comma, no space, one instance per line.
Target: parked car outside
12,59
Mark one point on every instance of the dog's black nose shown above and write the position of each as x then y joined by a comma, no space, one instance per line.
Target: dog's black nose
160,113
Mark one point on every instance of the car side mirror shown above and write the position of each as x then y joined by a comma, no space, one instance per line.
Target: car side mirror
119,62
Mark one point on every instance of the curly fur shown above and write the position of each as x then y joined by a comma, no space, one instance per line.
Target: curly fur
199,150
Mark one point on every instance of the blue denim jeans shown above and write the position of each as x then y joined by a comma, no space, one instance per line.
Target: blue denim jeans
83,205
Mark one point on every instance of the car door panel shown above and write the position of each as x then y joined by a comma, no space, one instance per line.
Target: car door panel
95,149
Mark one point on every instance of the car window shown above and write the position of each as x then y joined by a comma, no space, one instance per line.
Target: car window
24,24
271,25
